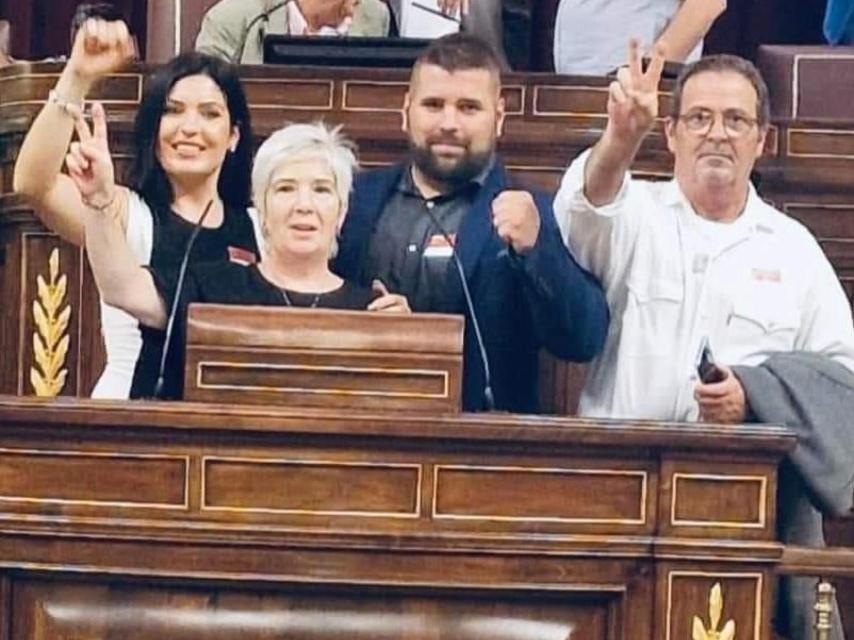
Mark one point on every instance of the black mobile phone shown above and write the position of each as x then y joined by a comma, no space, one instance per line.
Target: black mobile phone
707,370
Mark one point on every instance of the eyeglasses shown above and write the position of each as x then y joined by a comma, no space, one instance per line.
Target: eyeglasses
700,121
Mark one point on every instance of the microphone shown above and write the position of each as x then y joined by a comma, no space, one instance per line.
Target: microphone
488,397
170,322
261,16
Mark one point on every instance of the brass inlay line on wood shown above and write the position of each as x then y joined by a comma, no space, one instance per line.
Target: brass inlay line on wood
757,596
104,101
716,606
826,132
575,88
345,95
329,84
642,475
184,505
50,339
762,481
425,373
415,513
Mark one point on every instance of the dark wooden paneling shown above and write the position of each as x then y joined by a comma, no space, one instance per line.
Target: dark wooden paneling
312,487
41,27
327,524
47,610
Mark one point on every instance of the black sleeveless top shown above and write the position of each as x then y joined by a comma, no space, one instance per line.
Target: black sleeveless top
233,240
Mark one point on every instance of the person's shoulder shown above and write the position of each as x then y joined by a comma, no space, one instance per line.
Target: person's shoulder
222,271
234,9
779,222
791,234
371,183
353,296
373,17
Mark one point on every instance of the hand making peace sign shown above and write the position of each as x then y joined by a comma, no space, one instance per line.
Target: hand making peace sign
89,162
633,96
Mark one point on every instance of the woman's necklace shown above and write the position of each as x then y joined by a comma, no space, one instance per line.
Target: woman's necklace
288,302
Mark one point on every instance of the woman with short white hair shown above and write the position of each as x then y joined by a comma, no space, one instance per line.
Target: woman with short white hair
300,184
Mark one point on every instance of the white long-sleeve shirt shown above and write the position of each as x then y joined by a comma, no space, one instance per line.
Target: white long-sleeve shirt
756,286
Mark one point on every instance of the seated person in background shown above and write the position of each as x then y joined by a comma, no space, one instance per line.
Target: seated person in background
101,10
453,194
505,25
300,182
590,35
234,30
703,257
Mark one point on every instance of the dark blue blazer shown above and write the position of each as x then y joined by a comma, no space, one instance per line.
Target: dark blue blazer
541,299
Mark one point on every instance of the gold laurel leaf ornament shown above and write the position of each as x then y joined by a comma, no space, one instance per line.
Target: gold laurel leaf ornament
716,606
50,340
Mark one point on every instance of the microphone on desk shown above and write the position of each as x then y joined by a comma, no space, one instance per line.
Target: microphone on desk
265,15
488,397
173,312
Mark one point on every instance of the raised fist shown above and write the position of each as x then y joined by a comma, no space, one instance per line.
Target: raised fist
100,47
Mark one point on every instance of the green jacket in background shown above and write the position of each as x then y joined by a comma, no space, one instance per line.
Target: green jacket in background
234,30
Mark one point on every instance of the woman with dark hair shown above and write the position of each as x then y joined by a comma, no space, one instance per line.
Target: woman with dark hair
193,155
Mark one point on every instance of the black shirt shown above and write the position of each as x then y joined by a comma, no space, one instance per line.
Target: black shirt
233,239
407,251
229,283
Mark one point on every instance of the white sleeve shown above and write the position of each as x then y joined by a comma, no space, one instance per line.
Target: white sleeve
140,227
122,339
826,322
601,238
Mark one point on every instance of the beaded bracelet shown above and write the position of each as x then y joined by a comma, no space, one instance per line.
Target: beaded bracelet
100,208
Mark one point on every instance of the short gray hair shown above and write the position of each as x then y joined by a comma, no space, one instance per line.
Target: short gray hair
297,142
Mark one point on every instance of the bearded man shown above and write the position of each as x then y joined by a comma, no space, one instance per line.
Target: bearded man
454,194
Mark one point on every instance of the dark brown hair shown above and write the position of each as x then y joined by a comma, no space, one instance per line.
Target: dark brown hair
721,63
459,52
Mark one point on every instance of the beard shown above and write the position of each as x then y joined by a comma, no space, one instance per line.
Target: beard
465,168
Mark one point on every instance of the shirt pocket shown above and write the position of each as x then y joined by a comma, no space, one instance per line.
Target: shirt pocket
651,324
762,323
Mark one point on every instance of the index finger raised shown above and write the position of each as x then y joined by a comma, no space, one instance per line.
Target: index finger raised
84,134
99,122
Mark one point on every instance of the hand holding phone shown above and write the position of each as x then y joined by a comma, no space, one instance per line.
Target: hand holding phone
707,370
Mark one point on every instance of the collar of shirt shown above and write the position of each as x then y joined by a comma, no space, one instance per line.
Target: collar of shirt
751,218
298,25
407,185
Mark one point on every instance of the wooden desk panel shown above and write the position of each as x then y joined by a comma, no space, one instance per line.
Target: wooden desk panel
149,520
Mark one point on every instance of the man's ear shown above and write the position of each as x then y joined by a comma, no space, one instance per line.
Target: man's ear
760,144
404,113
670,134
499,121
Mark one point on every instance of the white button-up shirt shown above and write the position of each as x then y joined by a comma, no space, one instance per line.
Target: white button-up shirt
756,286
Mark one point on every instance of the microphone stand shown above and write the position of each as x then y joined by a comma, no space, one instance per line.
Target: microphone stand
489,398
170,323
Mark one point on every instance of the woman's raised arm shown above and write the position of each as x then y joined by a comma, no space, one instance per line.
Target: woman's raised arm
100,48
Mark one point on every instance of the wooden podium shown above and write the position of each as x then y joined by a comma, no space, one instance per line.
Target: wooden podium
146,521
324,358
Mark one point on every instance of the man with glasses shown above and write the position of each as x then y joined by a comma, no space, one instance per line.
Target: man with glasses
702,260
698,260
